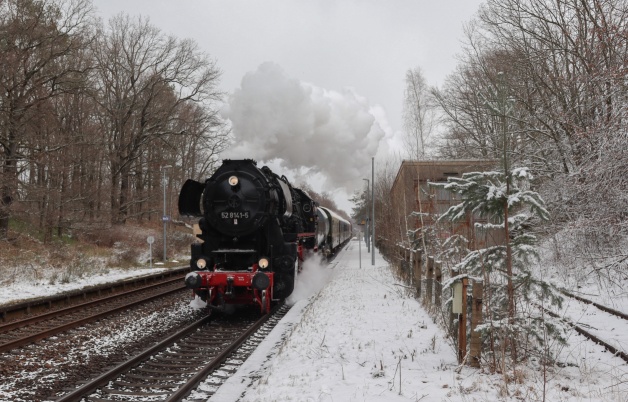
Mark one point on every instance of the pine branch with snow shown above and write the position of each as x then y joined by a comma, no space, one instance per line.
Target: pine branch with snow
512,317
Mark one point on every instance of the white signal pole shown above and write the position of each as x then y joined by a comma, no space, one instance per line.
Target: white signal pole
165,218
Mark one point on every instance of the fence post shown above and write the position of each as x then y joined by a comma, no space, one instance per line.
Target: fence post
408,267
475,347
438,283
452,315
462,324
429,281
418,263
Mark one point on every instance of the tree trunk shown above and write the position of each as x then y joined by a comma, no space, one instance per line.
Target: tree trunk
115,190
123,207
9,184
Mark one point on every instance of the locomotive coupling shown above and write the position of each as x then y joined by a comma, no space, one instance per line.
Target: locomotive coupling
193,280
229,290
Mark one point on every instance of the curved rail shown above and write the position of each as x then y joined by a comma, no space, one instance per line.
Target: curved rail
170,371
79,307
112,374
599,306
98,307
623,355
219,359
12,311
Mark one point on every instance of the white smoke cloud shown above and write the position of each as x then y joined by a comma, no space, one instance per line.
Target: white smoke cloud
312,279
314,132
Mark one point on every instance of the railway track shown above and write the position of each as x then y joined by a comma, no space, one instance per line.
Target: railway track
32,329
173,368
20,310
607,337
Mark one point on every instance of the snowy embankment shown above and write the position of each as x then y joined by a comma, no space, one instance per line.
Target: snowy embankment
17,291
362,338
356,335
359,338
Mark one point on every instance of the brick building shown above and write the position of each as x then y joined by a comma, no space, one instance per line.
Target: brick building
410,193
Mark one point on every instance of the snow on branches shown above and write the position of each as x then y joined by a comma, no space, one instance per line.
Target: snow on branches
508,205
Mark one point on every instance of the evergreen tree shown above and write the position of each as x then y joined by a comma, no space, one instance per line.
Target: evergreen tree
513,316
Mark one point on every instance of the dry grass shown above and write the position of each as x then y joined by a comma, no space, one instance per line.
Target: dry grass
26,258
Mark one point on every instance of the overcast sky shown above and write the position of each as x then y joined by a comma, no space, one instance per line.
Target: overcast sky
343,60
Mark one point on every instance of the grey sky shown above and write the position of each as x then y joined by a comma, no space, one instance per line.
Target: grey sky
359,49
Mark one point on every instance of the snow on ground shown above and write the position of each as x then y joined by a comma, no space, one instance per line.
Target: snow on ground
586,269
361,338
22,290
354,334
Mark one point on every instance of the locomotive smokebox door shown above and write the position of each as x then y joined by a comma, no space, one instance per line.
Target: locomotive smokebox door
237,200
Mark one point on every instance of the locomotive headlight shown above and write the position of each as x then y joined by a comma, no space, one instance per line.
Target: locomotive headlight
263,263
233,181
201,263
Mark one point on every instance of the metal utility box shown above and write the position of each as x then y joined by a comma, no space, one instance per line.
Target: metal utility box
456,305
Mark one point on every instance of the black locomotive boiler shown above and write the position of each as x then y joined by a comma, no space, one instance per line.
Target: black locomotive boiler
254,228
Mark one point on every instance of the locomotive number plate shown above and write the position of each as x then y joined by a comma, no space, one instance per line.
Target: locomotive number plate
235,215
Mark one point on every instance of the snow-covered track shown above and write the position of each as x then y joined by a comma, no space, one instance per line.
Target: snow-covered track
576,316
173,368
599,306
23,332
17,311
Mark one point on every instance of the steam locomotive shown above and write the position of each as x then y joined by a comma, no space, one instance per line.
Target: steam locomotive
255,231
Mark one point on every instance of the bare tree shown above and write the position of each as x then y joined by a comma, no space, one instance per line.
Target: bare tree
418,114
64,163
193,146
564,67
144,78
388,230
572,67
37,41
205,136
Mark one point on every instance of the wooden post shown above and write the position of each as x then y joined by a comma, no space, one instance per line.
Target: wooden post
418,263
452,315
438,284
407,269
475,347
429,282
462,323
410,267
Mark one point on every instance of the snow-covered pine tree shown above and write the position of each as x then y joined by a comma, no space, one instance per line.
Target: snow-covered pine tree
513,295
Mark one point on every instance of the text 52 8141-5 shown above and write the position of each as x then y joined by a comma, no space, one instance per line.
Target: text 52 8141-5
235,215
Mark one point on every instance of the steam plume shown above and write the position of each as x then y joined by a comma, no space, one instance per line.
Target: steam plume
310,130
